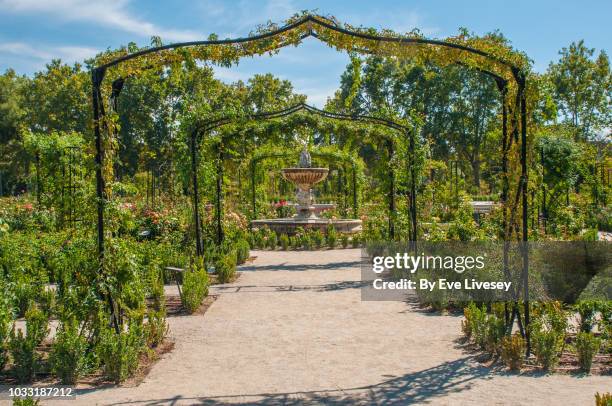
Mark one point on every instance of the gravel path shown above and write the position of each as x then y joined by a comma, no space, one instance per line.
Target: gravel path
293,330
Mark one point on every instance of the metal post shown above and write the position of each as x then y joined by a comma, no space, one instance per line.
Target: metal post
391,192
413,208
219,194
253,190
544,193
96,78
503,88
196,197
355,209
523,102
38,183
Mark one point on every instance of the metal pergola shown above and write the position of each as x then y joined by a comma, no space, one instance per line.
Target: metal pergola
314,24
209,125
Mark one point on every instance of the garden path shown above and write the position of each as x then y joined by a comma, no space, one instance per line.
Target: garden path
292,329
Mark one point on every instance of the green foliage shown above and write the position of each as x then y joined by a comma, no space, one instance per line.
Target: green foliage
120,352
306,240
581,86
259,239
272,241
355,240
28,401
23,348
475,324
464,228
548,330
6,319
513,351
496,331
317,238
225,267
331,236
344,240
195,286
242,251
588,311
156,327
587,345
604,399
284,242
68,357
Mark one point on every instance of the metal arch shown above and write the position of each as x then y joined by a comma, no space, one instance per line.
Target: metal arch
316,20
519,76
207,126
216,123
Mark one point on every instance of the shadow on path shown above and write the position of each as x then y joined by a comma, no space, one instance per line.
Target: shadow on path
291,288
300,267
417,387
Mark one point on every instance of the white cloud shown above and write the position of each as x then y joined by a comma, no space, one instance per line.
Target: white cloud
67,54
111,13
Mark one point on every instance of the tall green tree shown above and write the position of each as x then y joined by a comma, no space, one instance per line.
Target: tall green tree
583,89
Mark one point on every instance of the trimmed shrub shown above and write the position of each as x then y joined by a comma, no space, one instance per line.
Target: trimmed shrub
195,286
604,399
242,251
355,240
306,241
68,355
284,242
344,240
156,328
512,351
225,267
317,238
23,348
496,330
587,345
477,319
272,241
548,334
119,353
466,324
259,237
331,237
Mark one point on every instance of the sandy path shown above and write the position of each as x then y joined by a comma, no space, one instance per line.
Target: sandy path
293,329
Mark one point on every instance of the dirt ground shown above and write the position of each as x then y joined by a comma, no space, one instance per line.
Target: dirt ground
293,330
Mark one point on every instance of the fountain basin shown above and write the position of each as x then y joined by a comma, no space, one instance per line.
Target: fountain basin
304,178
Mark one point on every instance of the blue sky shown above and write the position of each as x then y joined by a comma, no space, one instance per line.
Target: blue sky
32,32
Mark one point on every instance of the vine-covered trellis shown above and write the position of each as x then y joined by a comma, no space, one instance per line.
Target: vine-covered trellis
206,126
489,55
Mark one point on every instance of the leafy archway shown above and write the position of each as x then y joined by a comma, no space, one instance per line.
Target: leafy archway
207,125
489,55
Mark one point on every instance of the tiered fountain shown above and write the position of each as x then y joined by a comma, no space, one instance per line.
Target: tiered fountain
304,177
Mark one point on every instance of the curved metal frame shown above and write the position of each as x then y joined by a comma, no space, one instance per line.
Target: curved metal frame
210,125
519,76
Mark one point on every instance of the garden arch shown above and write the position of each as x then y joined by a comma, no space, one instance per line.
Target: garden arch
507,67
209,125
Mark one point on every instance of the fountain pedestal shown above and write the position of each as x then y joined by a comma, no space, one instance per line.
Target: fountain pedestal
304,178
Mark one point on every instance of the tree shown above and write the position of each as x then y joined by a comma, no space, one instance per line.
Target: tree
11,117
583,89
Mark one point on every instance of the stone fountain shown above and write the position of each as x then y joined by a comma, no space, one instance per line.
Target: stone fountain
304,177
